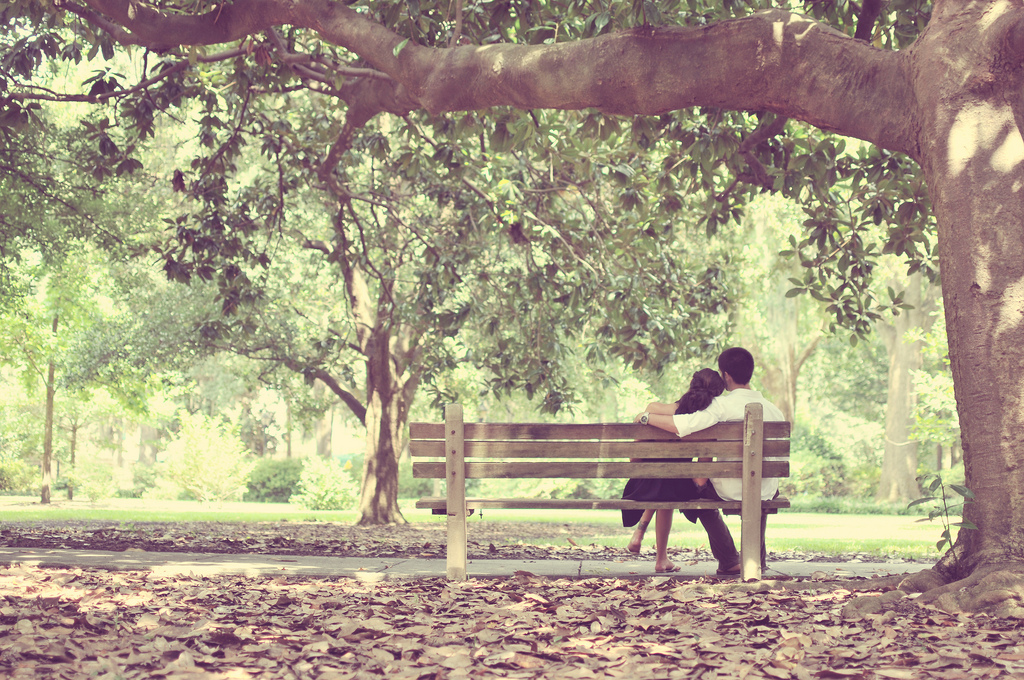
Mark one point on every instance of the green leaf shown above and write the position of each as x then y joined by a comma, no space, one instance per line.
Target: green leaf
962,490
400,46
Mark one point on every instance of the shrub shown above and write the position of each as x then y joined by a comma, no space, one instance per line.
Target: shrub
409,486
92,480
325,485
273,481
829,464
144,478
835,505
206,460
17,476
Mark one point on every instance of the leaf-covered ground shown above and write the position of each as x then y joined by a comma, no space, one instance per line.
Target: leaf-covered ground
487,540
79,624
57,623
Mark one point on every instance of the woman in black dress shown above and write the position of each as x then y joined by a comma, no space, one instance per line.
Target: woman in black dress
705,385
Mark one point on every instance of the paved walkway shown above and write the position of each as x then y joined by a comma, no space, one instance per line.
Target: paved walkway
381,569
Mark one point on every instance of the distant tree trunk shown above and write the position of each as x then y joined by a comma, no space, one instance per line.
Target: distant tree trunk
148,436
121,434
779,361
73,445
780,378
898,483
288,430
51,391
323,427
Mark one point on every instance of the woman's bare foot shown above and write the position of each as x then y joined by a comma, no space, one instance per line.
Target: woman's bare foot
636,541
665,567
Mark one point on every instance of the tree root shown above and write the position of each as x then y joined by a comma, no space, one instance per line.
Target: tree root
996,589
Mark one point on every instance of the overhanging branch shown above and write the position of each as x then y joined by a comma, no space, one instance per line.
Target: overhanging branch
773,61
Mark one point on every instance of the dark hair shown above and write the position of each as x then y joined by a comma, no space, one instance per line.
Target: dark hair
738,363
705,385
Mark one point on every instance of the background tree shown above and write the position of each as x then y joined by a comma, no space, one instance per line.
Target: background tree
56,302
436,273
935,416
900,462
782,329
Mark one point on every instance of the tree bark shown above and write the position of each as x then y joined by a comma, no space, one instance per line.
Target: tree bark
378,502
769,61
148,438
973,159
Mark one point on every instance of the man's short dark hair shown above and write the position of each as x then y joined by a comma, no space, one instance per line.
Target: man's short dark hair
738,363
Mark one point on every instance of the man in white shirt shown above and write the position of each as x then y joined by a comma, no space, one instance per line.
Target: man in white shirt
737,367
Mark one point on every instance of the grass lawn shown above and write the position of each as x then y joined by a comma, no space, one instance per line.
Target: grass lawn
888,535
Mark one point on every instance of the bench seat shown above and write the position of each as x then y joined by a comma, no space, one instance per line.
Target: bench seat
728,507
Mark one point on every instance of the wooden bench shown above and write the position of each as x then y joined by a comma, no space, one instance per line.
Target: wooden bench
747,450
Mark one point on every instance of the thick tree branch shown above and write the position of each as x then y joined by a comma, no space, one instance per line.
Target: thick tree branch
760,176
769,61
346,397
274,354
869,12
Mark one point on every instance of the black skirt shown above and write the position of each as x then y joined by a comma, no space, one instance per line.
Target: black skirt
670,490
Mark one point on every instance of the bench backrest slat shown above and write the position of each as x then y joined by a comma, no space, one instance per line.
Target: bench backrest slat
773,448
596,470
582,431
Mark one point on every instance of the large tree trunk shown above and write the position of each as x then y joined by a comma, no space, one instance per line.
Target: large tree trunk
378,503
973,158
898,481
391,381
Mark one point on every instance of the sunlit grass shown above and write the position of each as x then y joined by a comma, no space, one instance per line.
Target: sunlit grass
877,535
128,510
880,535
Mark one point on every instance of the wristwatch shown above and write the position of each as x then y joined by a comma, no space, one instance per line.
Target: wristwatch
644,417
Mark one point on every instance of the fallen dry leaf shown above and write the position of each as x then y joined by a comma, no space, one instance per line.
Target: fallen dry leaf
80,623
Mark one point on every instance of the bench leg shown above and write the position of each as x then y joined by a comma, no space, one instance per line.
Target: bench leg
751,511
455,471
457,545
751,546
